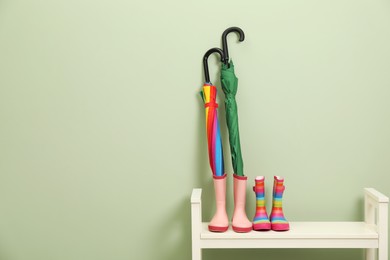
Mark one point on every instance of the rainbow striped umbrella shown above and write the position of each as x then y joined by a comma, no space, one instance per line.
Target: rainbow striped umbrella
214,142
209,95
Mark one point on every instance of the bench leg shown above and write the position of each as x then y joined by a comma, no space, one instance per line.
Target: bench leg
370,253
376,213
196,223
383,231
382,252
196,254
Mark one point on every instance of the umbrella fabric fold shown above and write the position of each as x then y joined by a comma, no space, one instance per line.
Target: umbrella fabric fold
229,86
214,142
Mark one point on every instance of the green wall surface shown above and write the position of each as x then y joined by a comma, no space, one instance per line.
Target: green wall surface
102,134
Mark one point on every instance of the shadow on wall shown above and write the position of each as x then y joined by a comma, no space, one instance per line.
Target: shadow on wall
172,238
282,254
3,254
203,179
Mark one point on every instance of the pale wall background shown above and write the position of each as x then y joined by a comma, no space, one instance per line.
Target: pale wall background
102,134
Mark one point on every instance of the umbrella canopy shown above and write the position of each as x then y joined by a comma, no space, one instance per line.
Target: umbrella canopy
229,86
214,141
209,95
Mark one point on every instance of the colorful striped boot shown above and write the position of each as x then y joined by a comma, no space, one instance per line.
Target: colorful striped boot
278,221
260,220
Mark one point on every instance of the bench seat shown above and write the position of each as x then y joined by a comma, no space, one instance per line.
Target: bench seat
370,234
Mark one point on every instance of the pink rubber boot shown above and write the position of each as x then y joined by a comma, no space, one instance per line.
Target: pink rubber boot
278,221
219,222
240,221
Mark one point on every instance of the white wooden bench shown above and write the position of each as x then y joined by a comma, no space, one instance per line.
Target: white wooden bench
372,234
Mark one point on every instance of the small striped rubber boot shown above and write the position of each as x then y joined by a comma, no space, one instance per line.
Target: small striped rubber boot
260,220
278,221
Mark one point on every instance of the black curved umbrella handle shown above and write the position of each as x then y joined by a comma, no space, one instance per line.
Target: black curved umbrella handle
224,41
205,62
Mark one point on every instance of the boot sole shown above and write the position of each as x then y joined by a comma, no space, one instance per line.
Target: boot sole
262,227
280,227
242,229
218,229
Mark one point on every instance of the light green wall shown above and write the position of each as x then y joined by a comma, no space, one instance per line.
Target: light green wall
102,129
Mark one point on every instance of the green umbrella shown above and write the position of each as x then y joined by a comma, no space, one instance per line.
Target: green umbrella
229,86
